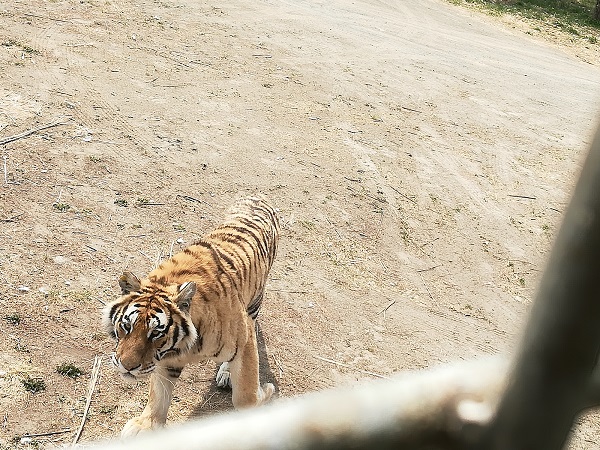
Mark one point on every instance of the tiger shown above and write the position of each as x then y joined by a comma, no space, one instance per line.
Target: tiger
201,304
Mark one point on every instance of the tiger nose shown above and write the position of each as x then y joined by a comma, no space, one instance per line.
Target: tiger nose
118,363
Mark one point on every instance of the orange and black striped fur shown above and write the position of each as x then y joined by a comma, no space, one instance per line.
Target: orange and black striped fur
200,304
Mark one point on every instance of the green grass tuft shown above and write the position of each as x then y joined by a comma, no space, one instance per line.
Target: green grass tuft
61,207
13,319
33,385
568,15
69,370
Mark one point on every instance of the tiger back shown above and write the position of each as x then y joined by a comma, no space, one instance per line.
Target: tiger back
200,304
249,234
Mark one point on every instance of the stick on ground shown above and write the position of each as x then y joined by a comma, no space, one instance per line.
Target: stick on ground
93,381
12,218
392,303
24,134
50,433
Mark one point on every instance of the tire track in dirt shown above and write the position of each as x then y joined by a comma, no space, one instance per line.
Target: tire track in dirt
444,320
87,104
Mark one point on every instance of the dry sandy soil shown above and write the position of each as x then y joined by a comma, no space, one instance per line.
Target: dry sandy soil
421,156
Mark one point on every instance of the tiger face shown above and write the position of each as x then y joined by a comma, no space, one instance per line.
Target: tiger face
150,323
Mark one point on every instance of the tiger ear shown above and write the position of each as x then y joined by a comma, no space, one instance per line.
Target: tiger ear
129,283
184,297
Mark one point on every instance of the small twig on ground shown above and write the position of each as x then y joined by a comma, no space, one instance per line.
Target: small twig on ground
50,433
383,266
312,372
59,197
159,257
428,269
404,195
192,199
289,292
91,44
334,228
62,93
93,381
47,18
24,134
522,261
522,196
110,143
392,303
410,109
144,254
337,363
426,287
428,242
171,85
12,219
207,400
366,194
277,364
171,249
82,232
164,55
199,61
304,163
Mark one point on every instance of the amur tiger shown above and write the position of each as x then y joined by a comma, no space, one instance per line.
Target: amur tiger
200,304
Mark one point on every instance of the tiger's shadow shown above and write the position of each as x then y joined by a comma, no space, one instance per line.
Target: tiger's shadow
217,400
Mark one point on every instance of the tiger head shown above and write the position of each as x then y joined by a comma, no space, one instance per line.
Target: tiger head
150,322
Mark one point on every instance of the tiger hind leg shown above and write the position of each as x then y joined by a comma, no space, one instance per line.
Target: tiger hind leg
223,377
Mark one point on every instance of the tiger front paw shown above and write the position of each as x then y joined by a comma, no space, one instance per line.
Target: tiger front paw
136,425
223,377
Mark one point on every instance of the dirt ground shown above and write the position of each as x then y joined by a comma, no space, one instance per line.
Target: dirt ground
421,156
